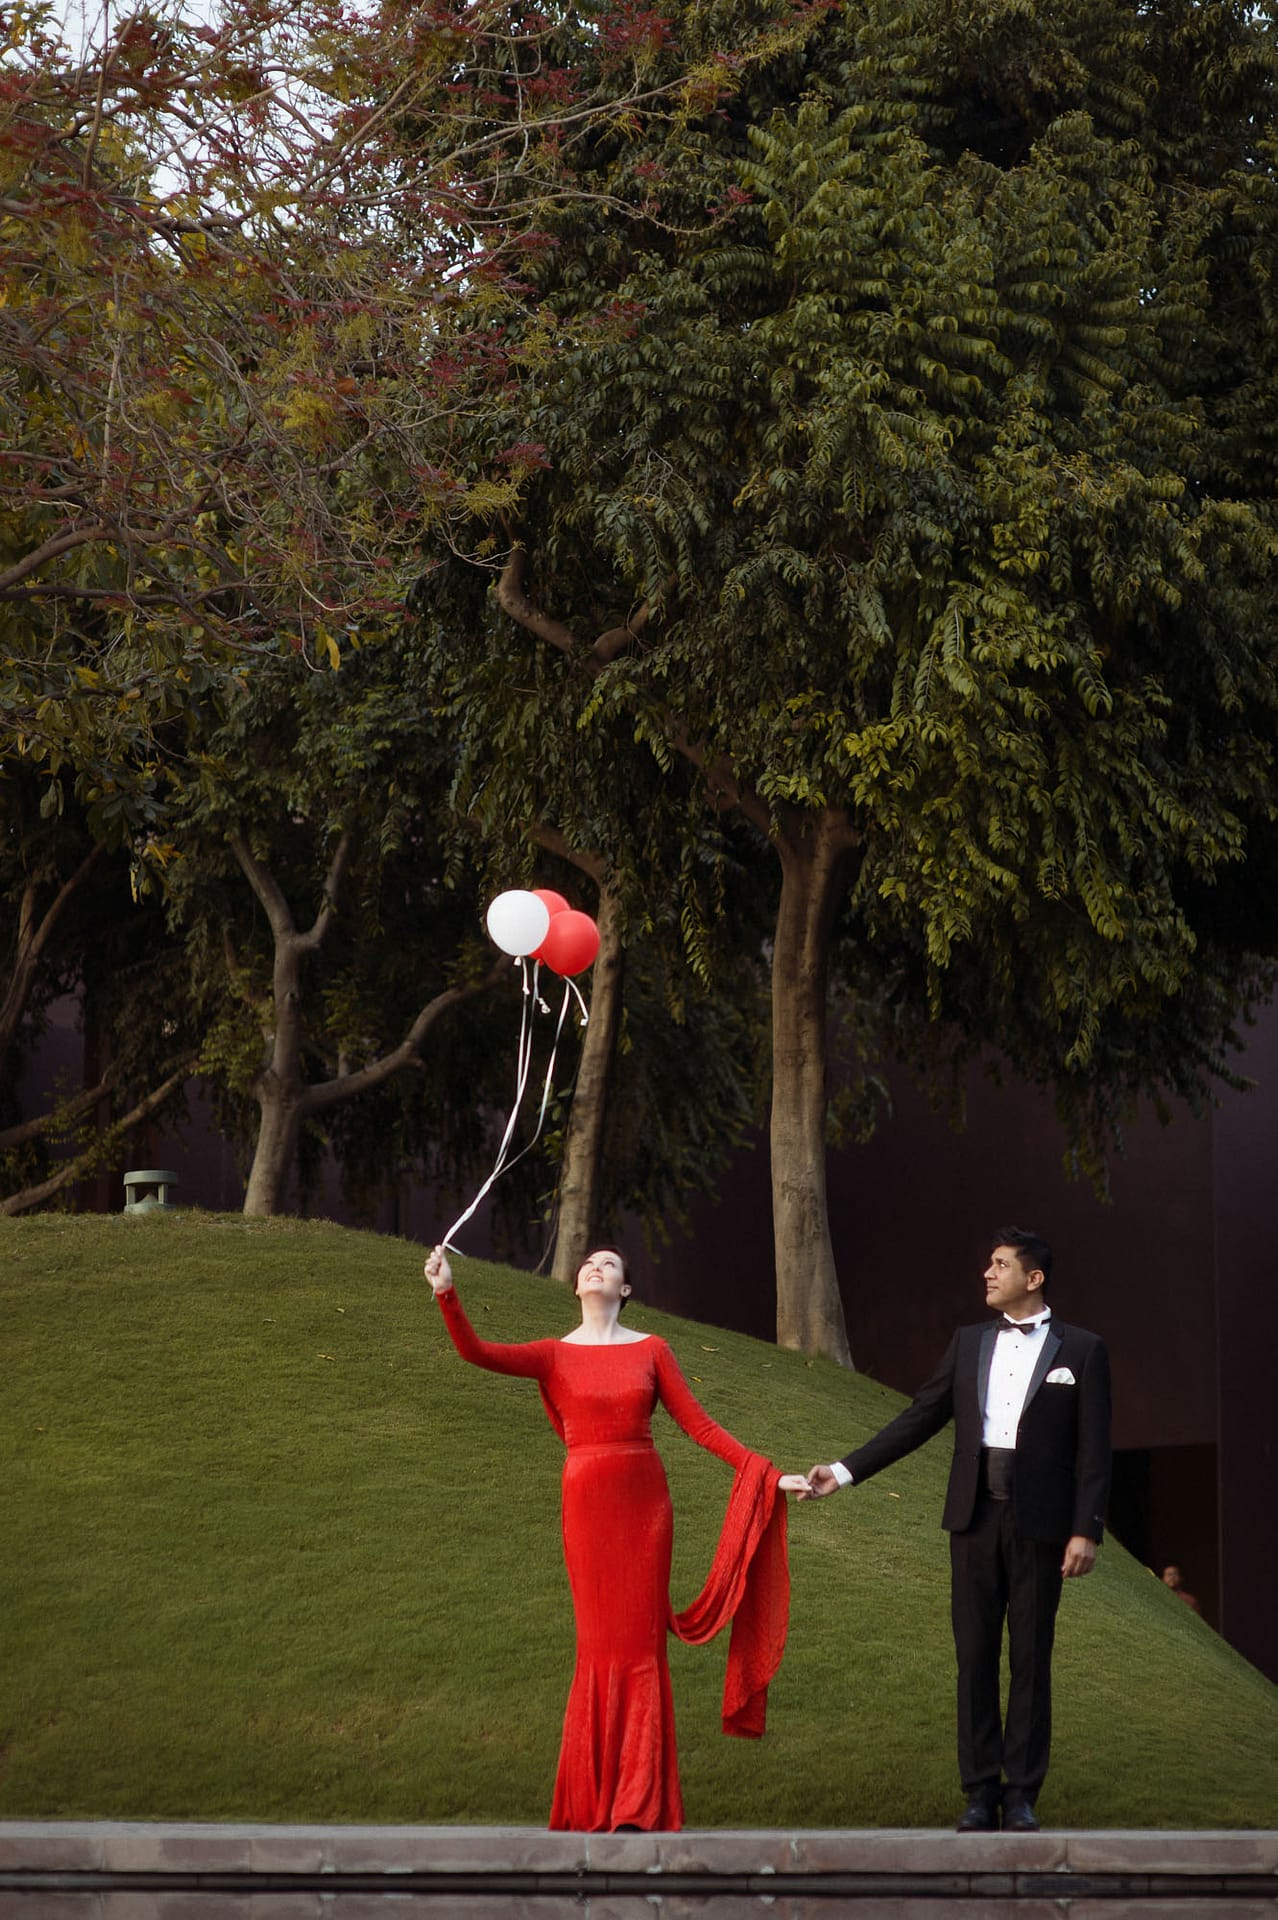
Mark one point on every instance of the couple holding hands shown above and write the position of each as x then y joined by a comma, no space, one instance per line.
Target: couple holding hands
1029,1398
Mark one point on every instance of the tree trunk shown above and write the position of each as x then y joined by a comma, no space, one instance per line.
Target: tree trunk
816,853
285,1098
276,1146
280,1089
579,1180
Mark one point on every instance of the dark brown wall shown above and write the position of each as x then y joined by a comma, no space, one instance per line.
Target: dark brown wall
911,1215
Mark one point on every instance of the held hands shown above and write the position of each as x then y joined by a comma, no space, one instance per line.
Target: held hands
795,1483
438,1271
820,1482
1080,1556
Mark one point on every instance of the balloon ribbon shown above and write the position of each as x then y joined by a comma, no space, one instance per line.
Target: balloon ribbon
505,1160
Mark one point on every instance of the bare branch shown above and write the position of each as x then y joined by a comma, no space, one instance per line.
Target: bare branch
61,1116
308,942
617,639
59,544
724,787
512,599
331,1093
266,887
583,858
33,938
85,1163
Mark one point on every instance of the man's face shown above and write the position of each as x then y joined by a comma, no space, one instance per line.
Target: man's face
1009,1288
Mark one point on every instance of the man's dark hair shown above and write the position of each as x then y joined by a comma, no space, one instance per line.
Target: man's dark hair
1031,1249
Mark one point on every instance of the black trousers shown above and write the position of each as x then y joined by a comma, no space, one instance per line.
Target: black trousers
997,1576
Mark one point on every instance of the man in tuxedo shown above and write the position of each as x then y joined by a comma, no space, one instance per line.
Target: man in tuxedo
1025,1508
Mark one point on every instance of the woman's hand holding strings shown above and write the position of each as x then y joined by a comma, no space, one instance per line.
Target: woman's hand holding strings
438,1271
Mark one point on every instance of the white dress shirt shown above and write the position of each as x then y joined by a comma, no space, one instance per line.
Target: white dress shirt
1011,1365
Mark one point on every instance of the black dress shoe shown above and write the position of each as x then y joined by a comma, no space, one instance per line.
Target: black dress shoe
980,1815
1018,1812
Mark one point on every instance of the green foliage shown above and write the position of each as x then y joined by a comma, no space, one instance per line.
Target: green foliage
255,1568
926,403
230,253
532,775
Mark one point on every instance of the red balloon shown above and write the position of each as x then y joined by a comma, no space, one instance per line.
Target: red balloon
553,902
571,944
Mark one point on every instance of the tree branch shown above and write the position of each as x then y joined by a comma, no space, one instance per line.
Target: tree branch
314,937
512,599
85,1162
61,543
33,938
17,1136
265,886
725,788
344,1086
617,639
585,859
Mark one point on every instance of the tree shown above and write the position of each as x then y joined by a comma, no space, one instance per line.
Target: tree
315,877
330,903
226,406
668,1073
922,503
229,253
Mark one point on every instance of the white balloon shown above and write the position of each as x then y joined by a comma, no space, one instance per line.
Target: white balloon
518,922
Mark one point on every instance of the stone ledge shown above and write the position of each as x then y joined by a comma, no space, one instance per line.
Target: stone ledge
528,1861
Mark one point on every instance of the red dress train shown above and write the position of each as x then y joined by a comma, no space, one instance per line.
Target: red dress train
618,1764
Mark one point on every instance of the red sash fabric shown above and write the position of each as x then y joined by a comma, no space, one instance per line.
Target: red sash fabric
749,1585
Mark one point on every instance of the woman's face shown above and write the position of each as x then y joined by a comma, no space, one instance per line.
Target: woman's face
603,1275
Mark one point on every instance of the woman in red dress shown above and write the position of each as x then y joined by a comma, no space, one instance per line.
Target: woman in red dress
618,1766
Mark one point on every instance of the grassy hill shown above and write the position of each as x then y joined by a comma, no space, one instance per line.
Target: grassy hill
271,1550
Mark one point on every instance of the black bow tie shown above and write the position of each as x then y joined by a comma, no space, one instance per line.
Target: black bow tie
1019,1326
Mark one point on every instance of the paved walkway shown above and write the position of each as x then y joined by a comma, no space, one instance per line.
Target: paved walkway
109,1870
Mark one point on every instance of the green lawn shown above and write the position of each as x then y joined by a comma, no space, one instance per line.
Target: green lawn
272,1551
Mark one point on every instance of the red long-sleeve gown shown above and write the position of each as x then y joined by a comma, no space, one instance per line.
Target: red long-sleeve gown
618,1764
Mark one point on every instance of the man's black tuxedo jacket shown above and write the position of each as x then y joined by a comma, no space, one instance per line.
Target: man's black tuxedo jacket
1062,1443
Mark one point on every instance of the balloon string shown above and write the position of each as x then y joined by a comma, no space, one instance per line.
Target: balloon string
523,1064
550,1075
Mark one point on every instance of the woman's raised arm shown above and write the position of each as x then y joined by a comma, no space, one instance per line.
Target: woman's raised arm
532,1359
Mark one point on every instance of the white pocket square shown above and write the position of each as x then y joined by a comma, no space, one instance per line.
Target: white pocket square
1060,1377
